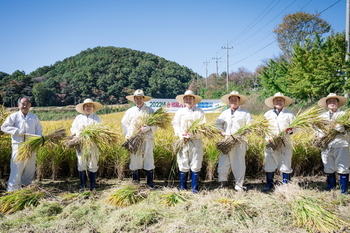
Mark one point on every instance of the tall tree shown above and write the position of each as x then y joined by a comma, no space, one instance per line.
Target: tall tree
297,27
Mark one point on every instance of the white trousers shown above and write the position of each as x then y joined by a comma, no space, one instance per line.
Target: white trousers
89,161
143,158
22,173
191,156
279,159
235,160
336,160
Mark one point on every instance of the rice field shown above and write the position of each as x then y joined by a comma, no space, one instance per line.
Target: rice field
119,206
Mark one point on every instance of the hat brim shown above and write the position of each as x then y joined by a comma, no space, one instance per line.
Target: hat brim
180,99
131,98
322,102
80,107
226,99
269,101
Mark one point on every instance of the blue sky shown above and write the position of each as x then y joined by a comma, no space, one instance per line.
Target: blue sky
36,33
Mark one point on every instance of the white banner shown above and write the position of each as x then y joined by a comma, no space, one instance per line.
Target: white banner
208,105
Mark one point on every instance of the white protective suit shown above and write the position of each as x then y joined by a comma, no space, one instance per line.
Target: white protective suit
79,123
16,124
191,156
280,158
143,158
231,123
336,156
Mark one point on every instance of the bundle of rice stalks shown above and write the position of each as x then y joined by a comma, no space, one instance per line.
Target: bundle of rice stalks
34,142
159,118
95,135
260,126
315,215
308,120
18,200
197,130
3,115
126,196
329,131
171,199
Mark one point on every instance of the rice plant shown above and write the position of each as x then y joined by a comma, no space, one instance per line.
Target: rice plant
125,196
34,142
171,199
210,158
18,200
3,115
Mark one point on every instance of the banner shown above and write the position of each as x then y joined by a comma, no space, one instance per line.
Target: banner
208,105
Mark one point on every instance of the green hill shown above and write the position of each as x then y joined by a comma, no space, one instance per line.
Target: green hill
106,74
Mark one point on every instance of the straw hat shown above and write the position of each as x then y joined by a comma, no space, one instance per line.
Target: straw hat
80,107
269,101
322,102
180,98
138,92
226,98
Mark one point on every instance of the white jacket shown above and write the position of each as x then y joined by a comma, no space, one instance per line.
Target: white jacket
17,125
232,123
281,122
341,140
131,120
83,120
184,119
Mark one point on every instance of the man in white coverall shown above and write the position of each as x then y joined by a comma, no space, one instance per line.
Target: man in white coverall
90,162
229,122
191,156
20,125
335,156
281,158
143,158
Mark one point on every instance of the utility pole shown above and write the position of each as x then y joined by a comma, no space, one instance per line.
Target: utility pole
347,28
206,73
227,64
217,67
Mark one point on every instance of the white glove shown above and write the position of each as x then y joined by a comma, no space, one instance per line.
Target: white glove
127,136
145,128
186,136
20,131
339,128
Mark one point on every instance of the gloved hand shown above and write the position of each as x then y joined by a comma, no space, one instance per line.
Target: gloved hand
186,136
289,130
127,136
224,134
339,127
145,128
20,131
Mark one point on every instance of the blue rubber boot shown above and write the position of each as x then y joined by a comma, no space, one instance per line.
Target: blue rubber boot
331,181
286,178
149,175
183,180
92,180
136,176
344,182
82,177
194,181
269,181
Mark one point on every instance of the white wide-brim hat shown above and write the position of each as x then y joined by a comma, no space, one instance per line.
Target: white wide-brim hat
269,101
323,102
138,92
226,98
80,107
180,98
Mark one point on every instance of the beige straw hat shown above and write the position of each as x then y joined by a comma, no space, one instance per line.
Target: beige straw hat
269,101
226,98
180,98
138,92
80,107
322,102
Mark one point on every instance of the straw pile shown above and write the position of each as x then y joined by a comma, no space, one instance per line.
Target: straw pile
329,131
259,126
34,142
307,120
197,130
159,118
